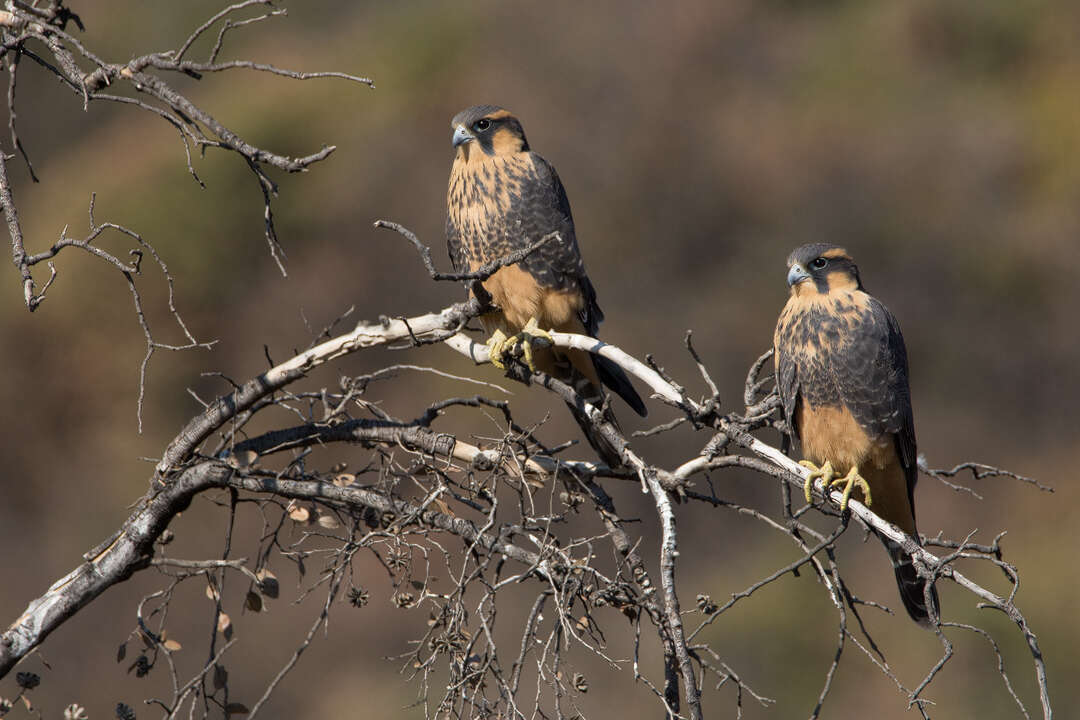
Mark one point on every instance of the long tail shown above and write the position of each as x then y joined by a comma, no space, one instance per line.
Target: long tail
590,390
912,587
613,376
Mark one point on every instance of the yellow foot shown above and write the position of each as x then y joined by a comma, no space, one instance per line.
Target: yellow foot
825,472
499,345
496,346
850,481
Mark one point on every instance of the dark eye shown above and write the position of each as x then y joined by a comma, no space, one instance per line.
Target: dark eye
482,124
819,263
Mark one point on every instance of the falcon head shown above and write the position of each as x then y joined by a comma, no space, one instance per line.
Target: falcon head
819,268
487,129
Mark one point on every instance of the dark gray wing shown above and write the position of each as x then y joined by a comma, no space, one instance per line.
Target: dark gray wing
903,422
871,369
786,366
787,382
455,246
539,209
558,263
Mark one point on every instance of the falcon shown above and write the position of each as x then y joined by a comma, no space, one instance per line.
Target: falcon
842,376
503,197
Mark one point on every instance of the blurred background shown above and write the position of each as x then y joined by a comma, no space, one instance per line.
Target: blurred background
699,143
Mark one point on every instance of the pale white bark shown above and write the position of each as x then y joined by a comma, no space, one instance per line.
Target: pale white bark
117,560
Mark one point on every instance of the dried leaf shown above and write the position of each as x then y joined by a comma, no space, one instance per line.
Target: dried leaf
358,597
142,666
212,592
268,583
344,479
221,677
121,652
242,459
172,645
224,623
72,712
253,601
236,709
329,522
298,513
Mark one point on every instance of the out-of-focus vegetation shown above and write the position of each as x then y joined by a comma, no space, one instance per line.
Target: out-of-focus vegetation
699,142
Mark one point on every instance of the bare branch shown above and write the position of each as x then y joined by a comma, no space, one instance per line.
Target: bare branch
485,512
979,471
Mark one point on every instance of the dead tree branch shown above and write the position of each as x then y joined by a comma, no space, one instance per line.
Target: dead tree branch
489,513
181,475
88,76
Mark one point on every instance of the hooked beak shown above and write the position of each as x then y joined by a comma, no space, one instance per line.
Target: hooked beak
796,274
461,136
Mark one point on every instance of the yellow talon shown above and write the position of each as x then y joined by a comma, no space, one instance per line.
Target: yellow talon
496,346
850,481
529,334
499,344
825,472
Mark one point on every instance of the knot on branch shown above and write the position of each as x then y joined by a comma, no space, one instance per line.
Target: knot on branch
443,444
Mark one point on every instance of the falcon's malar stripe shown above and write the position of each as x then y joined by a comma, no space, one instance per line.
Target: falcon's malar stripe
492,128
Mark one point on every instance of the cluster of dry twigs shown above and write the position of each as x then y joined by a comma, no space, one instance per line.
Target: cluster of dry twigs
464,528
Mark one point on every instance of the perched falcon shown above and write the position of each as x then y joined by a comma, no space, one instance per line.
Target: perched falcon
503,197
842,375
